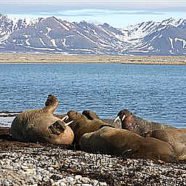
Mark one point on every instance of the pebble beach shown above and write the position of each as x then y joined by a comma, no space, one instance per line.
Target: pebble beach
44,164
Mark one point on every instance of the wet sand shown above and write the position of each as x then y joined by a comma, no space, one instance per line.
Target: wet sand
45,164
59,58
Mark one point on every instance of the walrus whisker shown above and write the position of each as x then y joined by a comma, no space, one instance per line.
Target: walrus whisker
66,124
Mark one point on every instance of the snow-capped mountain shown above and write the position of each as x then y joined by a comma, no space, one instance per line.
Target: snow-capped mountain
57,36
158,38
7,26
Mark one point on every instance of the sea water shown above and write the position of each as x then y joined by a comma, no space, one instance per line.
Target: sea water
153,92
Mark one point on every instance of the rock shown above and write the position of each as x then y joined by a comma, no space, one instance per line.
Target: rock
26,164
78,177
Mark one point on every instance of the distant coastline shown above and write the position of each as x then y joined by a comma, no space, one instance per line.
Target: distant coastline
13,58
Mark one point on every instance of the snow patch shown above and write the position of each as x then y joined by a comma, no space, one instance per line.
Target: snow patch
172,22
27,42
36,48
63,25
41,41
53,42
48,29
64,42
181,40
5,37
171,42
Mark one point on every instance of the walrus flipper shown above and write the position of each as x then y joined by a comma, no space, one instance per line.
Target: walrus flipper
57,128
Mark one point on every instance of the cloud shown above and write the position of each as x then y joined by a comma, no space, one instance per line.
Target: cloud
102,4
98,12
116,13
86,8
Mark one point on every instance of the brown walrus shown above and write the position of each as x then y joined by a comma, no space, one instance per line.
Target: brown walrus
92,115
175,137
41,125
136,124
81,124
122,142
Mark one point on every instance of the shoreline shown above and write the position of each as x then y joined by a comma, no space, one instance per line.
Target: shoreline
24,163
18,58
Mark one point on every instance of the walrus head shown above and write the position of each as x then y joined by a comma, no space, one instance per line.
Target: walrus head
75,116
90,114
126,120
137,124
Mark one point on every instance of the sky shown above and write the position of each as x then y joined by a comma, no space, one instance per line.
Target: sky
119,13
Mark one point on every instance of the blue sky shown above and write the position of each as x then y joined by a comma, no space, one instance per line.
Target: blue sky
118,13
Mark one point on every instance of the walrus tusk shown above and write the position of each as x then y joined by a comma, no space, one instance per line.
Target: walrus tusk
64,118
117,119
66,124
123,117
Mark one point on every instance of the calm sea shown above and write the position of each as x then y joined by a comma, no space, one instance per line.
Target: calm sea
154,92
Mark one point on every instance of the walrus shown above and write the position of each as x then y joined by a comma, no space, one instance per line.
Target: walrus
92,115
42,126
175,137
126,143
81,124
136,124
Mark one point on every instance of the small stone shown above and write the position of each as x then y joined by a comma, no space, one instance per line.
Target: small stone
59,183
85,180
103,184
78,177
50,168
70,179
6,183
95,182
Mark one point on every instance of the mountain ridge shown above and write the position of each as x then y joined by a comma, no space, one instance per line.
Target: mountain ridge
53,35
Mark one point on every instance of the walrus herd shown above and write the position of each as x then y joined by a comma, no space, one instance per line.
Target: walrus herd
128,135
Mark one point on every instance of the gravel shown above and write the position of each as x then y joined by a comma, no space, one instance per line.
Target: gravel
53,165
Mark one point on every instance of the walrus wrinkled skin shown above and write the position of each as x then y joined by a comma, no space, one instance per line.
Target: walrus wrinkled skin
136,124
175,137
81,124
41,125
125,143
